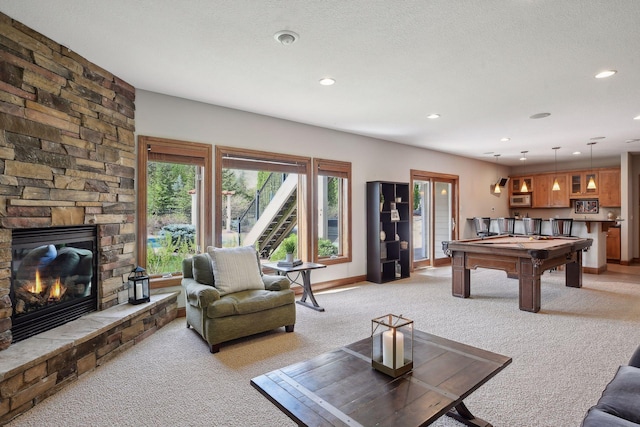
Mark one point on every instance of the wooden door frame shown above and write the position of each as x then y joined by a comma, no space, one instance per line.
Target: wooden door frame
420,175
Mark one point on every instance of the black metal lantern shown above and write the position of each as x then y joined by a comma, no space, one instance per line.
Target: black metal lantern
138,286
392,345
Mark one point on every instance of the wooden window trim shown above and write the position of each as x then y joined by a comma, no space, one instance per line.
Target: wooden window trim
340,169
187,152
274,162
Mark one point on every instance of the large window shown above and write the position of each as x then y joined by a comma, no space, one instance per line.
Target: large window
174,193
261,200
332,211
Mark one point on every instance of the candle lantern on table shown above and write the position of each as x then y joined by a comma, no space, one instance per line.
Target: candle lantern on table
392,345
138,286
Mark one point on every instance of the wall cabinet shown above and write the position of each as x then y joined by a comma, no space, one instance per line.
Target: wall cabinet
388,231
610,188
573,185
516,184
545,197
578,184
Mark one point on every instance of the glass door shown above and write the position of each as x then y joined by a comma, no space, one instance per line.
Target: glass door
434,217
420,223
444,221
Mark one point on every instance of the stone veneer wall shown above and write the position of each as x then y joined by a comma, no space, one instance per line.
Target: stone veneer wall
67,154
36,368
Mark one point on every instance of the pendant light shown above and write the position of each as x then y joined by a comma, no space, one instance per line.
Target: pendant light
591,185
524,188
556,185
496,189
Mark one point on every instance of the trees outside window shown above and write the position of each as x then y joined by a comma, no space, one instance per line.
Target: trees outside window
175,195
332,211
174,187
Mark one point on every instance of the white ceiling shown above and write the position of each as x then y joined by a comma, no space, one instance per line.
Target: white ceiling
485,66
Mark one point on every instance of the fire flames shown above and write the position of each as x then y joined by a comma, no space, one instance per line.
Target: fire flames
36,288
55,291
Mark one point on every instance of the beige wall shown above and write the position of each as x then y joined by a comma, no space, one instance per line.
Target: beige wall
372,159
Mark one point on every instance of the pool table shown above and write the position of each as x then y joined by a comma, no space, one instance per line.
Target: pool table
522,257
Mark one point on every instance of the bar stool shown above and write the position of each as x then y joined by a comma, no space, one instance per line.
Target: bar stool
482,226
561,226
532,226
506,225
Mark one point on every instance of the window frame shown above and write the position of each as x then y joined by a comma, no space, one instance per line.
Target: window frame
179,152
302,166
339,169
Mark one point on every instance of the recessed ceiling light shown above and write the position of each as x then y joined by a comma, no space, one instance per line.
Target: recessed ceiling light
636,118
595,138
505,139
286,37
540,116
327,81
606,73
433,116
576,153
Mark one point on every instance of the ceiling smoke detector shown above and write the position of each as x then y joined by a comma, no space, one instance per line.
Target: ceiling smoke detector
286,37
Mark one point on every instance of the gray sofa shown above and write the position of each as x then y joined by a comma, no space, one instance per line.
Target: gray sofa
619,405
219,313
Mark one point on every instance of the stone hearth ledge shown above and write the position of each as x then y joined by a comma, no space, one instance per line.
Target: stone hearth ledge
41,347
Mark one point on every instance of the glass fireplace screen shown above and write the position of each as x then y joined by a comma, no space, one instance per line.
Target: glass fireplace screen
53,277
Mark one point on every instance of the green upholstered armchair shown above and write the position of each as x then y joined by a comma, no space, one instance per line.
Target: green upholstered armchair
228,297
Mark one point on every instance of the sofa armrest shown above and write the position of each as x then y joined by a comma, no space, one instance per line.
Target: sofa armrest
198,294
274,282
620,397
635,358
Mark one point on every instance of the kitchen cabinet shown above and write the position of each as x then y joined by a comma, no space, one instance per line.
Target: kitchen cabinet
613,244
388,231
578,182
609,188
545,197
516,184
560,198
573,185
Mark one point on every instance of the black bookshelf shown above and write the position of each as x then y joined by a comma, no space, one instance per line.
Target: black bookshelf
388,225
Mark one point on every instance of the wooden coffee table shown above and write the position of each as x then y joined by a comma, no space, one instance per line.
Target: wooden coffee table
340,388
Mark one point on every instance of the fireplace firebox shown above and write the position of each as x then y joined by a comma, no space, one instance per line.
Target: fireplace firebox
53,277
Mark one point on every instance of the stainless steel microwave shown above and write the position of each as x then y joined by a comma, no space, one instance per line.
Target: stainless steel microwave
520,200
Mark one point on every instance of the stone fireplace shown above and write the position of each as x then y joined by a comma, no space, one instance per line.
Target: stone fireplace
67,162
52,277
67,157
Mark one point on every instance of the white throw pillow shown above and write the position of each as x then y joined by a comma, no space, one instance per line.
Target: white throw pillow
235,269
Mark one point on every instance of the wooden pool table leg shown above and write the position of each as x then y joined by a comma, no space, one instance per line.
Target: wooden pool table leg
573,272
529,286
460,276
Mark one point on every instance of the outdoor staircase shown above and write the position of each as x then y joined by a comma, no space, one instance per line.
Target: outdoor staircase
277,221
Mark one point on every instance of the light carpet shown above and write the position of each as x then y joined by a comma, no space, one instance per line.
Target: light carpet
563,356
